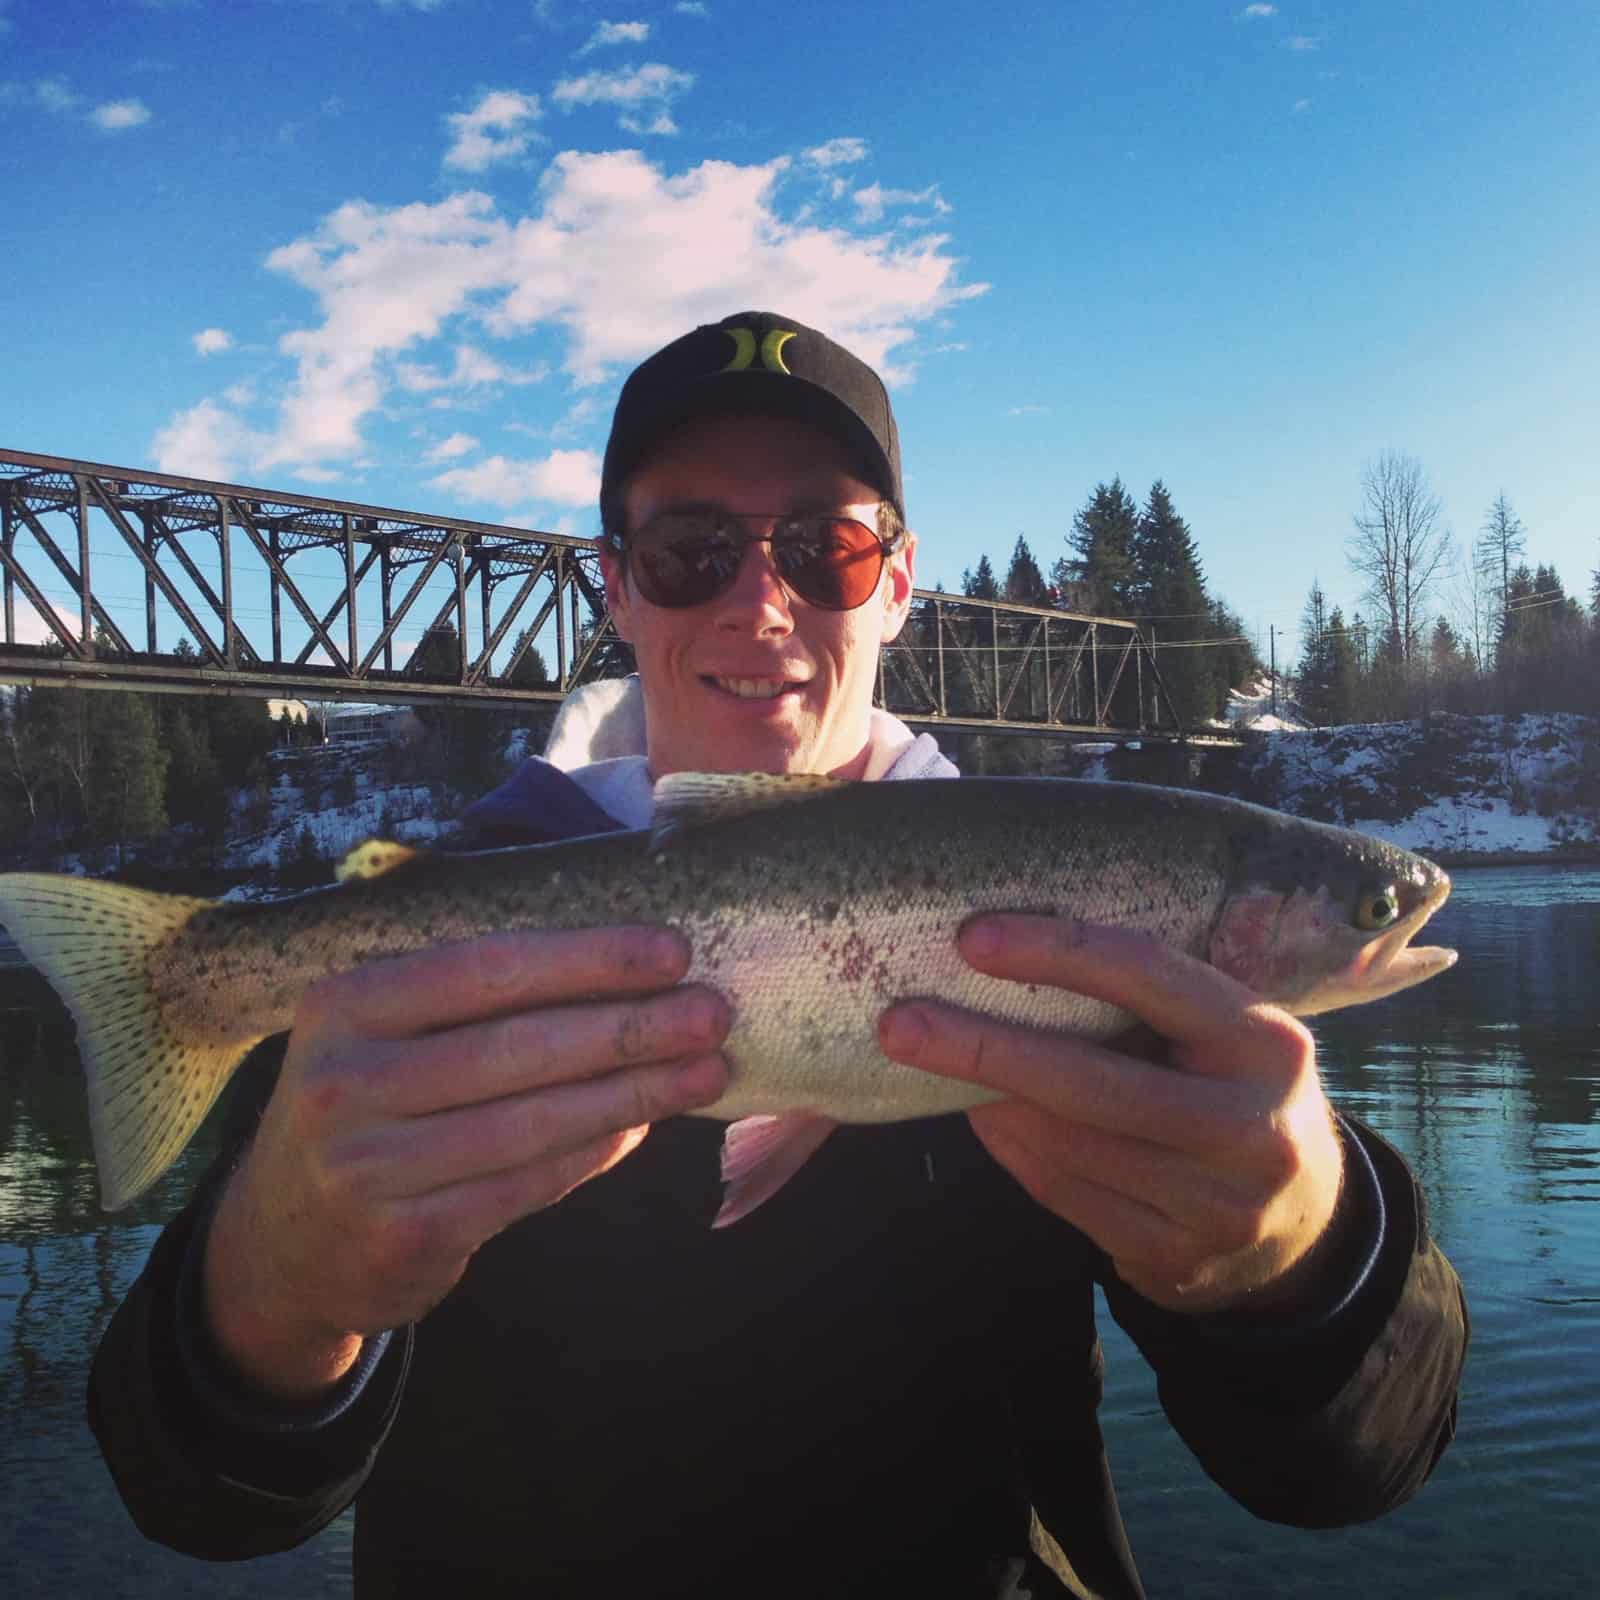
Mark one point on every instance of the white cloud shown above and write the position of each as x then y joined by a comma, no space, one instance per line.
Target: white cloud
213,341
644,94
458,444
1027,411
1251,13
565,477
692,8
206,442
115,115
32,628
616,33
60,99
616,256
874,200
472,370
53,95
1302,105
1306,41
493,130
836,153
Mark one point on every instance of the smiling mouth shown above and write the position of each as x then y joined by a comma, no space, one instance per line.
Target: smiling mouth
752,688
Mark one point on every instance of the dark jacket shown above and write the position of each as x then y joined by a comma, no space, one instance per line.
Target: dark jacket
885,1380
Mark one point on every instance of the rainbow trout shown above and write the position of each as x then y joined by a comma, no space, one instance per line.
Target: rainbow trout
810,903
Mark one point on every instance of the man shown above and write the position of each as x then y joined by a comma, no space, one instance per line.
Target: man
448,1275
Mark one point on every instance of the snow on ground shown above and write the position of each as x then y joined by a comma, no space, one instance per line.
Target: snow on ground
1251,707
1448,784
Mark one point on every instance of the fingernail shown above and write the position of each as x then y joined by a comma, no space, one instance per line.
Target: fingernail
982,939
903,1032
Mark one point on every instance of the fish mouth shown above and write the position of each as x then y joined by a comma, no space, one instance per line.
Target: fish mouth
1390,963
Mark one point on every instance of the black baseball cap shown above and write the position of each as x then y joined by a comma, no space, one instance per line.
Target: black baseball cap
757,363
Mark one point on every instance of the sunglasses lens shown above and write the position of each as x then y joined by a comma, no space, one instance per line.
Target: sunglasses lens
686,559
681,561
832,562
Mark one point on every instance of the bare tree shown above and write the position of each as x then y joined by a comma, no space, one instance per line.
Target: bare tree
1399,546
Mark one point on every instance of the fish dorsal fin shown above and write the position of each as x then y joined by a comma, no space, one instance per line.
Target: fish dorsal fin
373,859
683,798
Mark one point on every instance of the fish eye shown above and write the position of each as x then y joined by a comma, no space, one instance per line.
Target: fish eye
1377,908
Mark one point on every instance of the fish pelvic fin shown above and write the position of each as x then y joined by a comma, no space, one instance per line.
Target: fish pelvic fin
149,1087
761,1154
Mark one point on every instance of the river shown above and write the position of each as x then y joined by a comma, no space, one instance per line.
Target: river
1488,1079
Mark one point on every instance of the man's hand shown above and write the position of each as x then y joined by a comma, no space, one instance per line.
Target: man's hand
427,1102
1206,1179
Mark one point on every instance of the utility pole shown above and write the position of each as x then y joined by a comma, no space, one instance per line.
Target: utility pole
1272,646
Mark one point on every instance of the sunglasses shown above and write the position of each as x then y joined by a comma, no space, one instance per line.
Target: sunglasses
685,558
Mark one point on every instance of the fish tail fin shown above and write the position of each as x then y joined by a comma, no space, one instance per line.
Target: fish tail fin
149,1086
761,1154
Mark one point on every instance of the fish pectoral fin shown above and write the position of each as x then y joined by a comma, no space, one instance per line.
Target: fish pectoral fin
761,1154
373,859
689,797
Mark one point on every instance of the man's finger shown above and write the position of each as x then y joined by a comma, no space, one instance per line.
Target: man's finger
468,1143
1069,1077
500,973
536,1049
1179,1185
1183,998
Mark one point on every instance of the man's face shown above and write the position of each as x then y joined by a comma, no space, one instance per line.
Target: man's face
694,661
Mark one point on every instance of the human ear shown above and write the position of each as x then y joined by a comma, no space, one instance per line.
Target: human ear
619,601
901,580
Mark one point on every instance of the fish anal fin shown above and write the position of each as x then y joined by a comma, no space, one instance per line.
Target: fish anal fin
761,1154
689,797
373,859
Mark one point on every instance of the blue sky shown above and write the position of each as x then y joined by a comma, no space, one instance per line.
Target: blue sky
403,251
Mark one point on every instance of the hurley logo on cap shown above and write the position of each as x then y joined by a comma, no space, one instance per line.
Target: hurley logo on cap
771,348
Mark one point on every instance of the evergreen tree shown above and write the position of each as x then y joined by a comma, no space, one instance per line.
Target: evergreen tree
1344,670
1168,591
1450,671
980,585
1099,573
1540,657
195,790
1314,676
437,656
1235,662
125,797
530,672
1025,585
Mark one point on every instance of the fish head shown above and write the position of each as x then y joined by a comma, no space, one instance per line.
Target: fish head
1315,918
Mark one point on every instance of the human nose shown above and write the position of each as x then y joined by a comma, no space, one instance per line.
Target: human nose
758,591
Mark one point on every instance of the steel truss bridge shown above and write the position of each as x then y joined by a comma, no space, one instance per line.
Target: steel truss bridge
112,577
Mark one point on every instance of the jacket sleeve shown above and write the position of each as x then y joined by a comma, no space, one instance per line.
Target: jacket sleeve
204,1463
1338,1416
